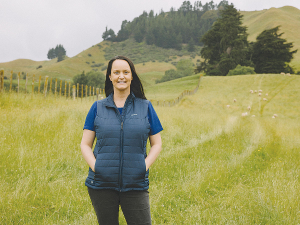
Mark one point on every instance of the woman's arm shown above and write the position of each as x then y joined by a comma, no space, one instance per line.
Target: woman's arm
86,145
155,143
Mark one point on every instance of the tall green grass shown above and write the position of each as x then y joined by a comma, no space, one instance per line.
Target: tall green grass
216,167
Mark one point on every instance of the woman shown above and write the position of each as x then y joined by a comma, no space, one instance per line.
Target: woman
119,165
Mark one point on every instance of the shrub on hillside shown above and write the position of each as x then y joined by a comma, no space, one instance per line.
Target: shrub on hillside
241,70
184,68
103,68
92,78
97,65
143,52
14,76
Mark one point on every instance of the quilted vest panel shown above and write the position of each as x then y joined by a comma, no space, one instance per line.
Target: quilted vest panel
120,150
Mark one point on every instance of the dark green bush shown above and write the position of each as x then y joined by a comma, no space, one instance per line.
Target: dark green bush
241,70
103,68
184,68
97,65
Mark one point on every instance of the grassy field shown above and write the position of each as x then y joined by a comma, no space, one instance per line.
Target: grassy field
216,167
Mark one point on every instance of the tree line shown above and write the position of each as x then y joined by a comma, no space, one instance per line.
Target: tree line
172,29
226,47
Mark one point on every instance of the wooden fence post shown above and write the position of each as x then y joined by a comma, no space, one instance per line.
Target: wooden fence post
50,88
86,91
81,92
39,88
1,80
26,77
77,90
97,92
19,82
93,93
90,90
46,86
69,90
55,87
66,89
32,84
74,92
60,88
11,76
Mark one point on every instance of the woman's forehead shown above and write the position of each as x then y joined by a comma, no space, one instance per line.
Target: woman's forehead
120,64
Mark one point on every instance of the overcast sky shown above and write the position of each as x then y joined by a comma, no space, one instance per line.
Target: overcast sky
29,28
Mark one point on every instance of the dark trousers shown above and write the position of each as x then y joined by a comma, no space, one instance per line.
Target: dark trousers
134,204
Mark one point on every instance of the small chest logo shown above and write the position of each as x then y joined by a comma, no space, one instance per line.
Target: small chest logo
133,114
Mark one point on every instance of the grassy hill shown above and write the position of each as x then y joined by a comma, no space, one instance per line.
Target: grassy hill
216,167
287,17
155,60
160,60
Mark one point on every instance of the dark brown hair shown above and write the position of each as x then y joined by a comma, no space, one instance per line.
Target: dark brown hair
136,85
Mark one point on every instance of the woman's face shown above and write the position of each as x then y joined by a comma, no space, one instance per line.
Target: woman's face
120,75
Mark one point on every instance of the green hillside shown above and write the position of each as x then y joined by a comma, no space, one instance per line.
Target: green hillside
256,21
287,17
216,167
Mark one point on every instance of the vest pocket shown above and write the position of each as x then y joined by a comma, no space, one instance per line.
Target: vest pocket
106,170
134,171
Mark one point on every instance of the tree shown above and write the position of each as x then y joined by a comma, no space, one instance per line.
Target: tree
225,44
59,52
51,54
271,53
138,35
191,45
108,35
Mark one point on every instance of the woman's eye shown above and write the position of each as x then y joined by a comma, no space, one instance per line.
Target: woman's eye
116,72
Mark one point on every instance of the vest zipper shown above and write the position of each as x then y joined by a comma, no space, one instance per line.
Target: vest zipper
121,163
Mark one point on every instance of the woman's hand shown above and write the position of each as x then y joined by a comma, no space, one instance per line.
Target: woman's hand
86,145
155,143
146,165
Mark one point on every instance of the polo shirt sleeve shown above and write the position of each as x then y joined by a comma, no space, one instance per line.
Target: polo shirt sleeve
155,125
90,118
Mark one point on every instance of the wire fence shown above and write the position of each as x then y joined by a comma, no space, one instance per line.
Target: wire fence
170,103
66,89
46,86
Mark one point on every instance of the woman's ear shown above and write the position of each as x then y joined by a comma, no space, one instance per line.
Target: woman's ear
109,77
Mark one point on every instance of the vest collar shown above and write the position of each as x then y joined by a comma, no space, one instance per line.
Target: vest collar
110,100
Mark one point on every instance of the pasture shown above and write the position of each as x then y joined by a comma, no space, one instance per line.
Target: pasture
216,167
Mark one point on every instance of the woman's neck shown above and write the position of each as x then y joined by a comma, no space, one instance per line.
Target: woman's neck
120,98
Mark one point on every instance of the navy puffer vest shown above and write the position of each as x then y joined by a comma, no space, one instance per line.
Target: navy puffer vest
120,149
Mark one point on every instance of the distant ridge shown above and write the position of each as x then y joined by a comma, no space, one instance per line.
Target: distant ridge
288,17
